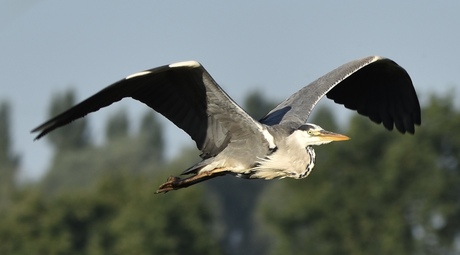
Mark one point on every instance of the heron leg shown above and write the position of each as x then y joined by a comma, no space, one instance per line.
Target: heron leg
173,183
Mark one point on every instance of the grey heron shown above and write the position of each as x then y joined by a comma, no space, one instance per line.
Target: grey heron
277,146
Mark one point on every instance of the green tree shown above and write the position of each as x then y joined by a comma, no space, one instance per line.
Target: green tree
70,137
9,161
119,216
324,117
76,169
435,211
257,105
151,139
141,153
117,126
379,193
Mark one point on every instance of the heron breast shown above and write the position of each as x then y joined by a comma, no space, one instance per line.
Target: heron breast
294,163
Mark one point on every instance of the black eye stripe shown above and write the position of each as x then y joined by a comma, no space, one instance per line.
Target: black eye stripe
306,127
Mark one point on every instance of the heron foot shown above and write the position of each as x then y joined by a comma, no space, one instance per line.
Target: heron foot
173,183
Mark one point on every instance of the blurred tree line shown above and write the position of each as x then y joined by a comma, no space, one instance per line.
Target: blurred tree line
379,193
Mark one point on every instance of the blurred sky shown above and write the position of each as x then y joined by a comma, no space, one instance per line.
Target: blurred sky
48,46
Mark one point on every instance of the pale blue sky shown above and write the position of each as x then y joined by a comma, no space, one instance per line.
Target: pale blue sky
276,47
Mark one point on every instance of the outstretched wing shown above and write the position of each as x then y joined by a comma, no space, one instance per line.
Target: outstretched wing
374,86
184,93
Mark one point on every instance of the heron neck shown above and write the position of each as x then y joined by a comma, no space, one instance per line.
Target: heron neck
311,164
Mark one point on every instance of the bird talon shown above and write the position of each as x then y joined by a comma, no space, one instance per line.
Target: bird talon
171,183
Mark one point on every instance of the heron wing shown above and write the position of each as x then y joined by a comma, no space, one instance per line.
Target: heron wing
374,86
184,93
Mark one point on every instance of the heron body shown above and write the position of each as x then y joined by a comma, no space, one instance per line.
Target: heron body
277,146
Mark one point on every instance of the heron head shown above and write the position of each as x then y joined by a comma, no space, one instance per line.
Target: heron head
311,134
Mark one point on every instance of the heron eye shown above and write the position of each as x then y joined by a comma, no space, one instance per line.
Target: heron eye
310,132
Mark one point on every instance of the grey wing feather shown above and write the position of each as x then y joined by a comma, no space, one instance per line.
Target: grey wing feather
184,93
374,86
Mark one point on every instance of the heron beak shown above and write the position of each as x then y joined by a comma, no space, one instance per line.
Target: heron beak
330,136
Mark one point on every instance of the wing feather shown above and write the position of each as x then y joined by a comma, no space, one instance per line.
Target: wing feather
375,87
185,94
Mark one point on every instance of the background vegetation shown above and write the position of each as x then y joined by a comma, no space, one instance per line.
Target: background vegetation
379,193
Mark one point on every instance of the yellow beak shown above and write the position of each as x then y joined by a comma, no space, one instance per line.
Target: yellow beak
330,136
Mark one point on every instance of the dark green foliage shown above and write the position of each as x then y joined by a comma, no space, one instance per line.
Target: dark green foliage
120,216
140,153
5,143
257,106
151,138
9,161
324,117
117,126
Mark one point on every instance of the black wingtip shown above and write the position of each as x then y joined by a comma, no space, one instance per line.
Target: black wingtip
40,135
44,129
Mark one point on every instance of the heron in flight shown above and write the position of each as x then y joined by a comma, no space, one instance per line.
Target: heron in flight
277,146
